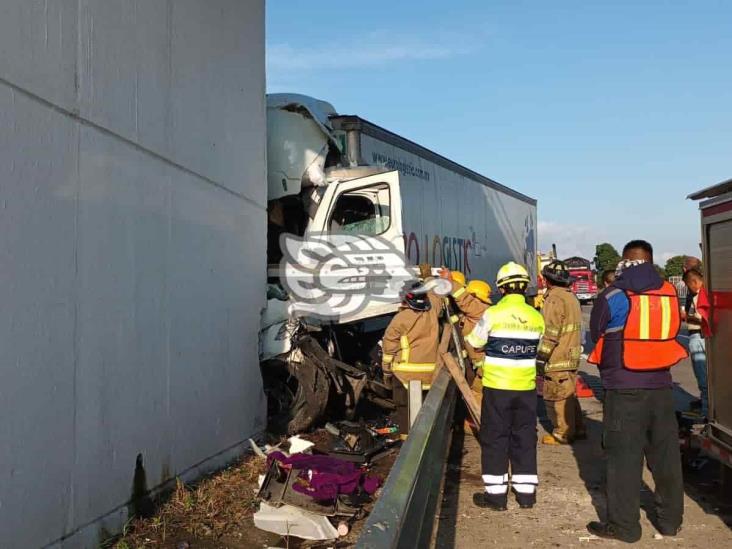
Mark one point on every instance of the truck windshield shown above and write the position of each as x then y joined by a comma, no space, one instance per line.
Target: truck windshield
363,211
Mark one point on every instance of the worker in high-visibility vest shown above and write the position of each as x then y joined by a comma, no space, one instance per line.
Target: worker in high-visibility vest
634,323
509,332
409,346
559,356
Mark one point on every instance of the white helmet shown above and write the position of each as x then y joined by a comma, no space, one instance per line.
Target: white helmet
513,275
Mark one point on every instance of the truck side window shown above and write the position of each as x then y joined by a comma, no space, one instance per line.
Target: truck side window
362,211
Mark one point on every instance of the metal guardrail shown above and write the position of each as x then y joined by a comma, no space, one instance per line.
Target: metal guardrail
404,516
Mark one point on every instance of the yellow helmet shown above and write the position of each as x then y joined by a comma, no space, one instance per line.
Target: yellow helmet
480,289
458,277
512,274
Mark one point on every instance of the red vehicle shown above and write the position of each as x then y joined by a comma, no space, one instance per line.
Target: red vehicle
716,225
584,286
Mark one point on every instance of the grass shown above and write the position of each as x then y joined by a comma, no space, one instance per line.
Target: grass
218,506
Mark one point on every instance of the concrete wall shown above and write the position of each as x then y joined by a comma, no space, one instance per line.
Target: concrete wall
132,252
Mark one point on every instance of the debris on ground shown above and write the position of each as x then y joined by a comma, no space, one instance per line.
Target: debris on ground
287,520
323,484
299,445
220,510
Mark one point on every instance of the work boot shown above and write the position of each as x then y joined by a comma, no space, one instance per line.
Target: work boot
668,532
482,500
525,501
607,531
552,440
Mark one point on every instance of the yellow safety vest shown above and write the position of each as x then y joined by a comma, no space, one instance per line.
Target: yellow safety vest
510,332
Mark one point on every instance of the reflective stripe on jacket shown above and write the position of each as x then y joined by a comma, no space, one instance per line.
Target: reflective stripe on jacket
650,330
561,345
410,343
509,332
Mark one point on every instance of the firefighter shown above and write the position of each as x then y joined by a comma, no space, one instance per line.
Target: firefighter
559,353
473,302
410,346
457,276
509,332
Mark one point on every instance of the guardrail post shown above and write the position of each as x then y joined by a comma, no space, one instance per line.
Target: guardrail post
415,400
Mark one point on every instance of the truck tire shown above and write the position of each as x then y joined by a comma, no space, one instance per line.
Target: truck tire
296,396
311,397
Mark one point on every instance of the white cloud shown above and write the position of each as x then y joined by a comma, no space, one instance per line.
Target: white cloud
570,239
371,50
576,239
665,256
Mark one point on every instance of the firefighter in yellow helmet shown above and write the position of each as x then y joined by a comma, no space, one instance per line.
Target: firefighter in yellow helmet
509,332
457,276
472,304
471,309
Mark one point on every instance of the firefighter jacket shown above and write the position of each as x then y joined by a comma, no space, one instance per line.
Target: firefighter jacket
410,343
509,332
561,346
471,311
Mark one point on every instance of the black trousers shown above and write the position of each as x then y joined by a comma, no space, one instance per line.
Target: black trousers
638,423
508,437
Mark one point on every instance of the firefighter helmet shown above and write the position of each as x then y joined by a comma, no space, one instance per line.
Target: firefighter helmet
557,273
458,277
415,296
513,276
480,289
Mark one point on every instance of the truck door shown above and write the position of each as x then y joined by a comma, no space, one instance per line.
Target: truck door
368,206
718,262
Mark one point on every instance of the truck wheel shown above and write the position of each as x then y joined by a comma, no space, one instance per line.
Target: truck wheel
310,399
296,396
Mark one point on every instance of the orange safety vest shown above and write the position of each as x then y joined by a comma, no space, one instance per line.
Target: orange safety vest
649,334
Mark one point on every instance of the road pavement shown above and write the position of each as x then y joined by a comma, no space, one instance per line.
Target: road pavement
571,491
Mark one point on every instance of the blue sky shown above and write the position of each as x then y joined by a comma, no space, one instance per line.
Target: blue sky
609,113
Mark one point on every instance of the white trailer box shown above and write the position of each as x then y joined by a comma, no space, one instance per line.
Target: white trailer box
451,215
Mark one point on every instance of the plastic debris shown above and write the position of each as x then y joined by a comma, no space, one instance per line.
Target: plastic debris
291,521
256,449
299,445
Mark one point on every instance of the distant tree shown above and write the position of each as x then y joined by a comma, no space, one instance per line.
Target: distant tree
674,266
660,270
606,257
